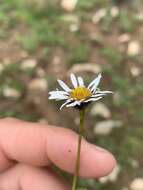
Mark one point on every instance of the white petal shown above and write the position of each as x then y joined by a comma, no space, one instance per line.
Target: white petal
81,82
92,99
58,97
64,86
82,100
95,82
68,101
97,95
59,92
74,80
105,92
73,104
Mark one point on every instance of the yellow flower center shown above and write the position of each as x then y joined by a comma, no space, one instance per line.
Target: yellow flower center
80,93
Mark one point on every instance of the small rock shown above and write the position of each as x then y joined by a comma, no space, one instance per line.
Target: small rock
114,11
124,38
73,21
11,92
74,27
134,163
133,48
7,61
38,84
105,127
101,109
37,91
113,176
77,121
40,72
69,5
137,184
135,71
86,67
99,15
125,188
28,64
97,38
139,16
43,121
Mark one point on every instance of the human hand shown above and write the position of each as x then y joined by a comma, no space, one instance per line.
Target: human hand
27,151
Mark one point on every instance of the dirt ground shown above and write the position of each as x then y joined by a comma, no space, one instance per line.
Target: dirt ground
40,42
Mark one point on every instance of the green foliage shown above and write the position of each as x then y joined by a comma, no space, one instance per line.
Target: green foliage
112,55
79,54
18,114
3,34
107,22
127,21
88,5
29,42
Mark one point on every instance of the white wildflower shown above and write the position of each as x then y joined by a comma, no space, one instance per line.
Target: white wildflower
79,95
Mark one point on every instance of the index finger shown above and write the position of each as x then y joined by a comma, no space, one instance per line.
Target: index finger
39,145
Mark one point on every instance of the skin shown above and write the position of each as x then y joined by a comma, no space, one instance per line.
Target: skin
27,151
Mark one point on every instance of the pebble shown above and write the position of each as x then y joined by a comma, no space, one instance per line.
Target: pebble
137,184
86,67
99,15
105,127
134,163
125,188
28,64
38,84
7,61
133,48
135,71
139,16
114,11
69,5
101,109
11,92
74,27
73,21
43,121
124,38
40,72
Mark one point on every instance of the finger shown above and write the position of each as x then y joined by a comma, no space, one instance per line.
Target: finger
5,162
27,177
22,142
36,144
62,151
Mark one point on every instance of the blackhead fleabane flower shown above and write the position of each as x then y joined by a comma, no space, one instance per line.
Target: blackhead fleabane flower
80,95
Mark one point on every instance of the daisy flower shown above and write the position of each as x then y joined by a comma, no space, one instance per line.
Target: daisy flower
79,95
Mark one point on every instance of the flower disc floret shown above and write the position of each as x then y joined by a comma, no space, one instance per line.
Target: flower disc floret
79,96
80,93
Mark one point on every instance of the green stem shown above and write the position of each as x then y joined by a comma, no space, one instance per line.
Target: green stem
77,166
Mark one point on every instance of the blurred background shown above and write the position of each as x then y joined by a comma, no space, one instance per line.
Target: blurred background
42,40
